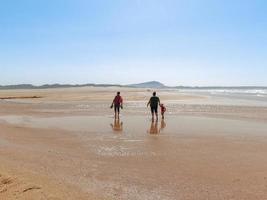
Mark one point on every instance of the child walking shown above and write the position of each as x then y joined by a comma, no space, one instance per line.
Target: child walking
162,109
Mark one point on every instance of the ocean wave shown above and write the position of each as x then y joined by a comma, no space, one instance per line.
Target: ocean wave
252,91
256,92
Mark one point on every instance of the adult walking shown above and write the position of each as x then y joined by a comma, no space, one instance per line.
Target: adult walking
117,104
154,102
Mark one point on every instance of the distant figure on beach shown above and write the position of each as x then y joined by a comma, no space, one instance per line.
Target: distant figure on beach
163,110
117,126
154,102
117,103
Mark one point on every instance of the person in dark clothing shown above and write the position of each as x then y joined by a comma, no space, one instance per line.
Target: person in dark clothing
117,103
154,102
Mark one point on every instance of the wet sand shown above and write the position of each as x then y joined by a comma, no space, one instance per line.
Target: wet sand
67,145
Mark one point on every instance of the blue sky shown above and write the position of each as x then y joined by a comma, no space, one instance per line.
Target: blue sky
177,42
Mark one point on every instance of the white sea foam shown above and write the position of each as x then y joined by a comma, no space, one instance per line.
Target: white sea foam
250,92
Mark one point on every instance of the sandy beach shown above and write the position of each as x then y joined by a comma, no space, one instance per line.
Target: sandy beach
62,144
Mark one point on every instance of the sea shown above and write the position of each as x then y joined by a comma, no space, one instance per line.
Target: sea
244,93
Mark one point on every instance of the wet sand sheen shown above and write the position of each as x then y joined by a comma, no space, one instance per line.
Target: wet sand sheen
185,158
68,145
139,125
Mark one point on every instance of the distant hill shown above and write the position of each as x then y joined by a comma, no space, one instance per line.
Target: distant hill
21,86
51,86
151,84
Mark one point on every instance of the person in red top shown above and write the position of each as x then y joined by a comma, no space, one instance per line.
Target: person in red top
162,109
117,103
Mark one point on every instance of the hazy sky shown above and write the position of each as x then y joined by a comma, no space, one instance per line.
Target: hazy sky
177,42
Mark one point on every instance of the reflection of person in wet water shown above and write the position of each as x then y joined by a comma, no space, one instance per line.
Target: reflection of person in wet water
154,129
117,125
162,125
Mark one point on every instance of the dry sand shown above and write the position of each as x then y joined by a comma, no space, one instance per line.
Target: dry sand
66,145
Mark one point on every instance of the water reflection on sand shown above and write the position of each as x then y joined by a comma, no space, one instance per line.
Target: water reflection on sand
155,128
117,125
135,126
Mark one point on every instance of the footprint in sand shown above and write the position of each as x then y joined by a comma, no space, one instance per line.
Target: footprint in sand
6,181
31,188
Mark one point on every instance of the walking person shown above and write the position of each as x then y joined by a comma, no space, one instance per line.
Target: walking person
154,102
117,103
163,110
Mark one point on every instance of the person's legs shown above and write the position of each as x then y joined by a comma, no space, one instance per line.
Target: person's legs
156,113
117,111
152,113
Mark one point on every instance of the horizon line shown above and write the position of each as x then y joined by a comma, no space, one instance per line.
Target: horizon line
125,85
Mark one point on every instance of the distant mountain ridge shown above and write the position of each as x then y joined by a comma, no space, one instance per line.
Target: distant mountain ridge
51,86
150,84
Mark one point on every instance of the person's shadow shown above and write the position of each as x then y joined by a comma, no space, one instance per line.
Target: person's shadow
117,126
